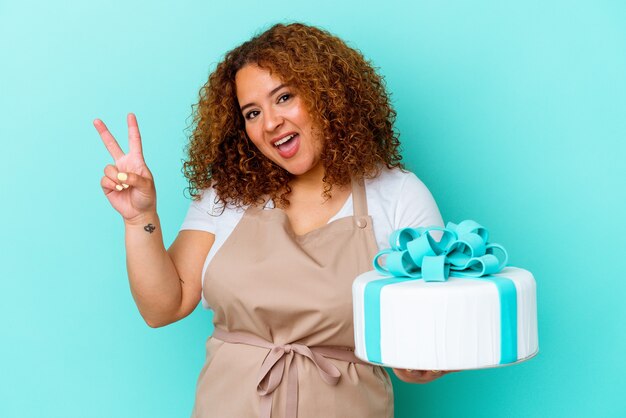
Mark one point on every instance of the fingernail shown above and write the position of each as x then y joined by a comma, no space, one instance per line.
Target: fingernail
122,176
118,187
126,186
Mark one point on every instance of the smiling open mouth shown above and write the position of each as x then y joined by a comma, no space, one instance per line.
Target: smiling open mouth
284,140
288,146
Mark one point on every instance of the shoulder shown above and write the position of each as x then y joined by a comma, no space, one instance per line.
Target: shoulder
208,213
210,203
395,181
403,197
205,199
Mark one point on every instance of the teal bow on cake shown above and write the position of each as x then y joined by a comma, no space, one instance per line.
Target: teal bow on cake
462,252
462,248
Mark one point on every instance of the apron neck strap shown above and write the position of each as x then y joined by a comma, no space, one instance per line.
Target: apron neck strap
359,198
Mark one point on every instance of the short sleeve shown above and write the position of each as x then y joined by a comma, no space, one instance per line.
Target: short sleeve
416,205
200,215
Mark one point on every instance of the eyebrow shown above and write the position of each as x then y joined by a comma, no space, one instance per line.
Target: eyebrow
270,94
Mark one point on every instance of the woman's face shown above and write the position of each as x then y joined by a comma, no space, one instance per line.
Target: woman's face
277,121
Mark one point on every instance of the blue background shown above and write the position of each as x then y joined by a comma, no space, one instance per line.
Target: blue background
512,113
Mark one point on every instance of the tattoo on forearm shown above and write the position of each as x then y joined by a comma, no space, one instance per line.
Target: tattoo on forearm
149,228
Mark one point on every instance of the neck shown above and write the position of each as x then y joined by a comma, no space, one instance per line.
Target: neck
309,182
309,187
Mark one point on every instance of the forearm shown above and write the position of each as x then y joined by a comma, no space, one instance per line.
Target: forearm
154,281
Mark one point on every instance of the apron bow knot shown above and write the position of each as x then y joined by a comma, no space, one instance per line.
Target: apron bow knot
279,358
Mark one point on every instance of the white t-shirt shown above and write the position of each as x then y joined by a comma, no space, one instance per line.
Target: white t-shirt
395,199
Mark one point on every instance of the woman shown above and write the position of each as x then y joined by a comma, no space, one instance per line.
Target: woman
297,182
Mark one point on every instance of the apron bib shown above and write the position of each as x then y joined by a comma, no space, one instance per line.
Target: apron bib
284,339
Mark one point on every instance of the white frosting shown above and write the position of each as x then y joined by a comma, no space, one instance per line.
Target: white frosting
450,325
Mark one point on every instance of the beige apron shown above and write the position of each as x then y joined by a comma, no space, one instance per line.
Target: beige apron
283,341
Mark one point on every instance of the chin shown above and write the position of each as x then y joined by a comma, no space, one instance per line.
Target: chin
300,169
296,171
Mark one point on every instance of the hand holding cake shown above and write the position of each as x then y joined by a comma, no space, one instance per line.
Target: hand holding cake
420,376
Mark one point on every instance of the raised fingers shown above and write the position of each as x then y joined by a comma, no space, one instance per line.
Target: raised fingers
134,137
109,141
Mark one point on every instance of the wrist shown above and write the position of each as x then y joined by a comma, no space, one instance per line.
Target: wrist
144,220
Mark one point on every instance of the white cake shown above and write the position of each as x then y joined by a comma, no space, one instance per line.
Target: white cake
447,325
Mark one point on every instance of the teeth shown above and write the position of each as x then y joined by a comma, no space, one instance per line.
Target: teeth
285,139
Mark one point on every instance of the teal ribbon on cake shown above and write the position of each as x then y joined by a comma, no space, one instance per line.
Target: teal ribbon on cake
463,252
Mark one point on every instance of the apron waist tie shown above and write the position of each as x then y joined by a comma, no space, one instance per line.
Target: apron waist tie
281,357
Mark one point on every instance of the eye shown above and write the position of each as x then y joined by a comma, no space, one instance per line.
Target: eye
252,114
286,95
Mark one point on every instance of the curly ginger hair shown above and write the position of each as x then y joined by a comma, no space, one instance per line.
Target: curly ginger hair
344,94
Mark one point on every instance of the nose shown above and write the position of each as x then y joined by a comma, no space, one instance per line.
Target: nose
272,120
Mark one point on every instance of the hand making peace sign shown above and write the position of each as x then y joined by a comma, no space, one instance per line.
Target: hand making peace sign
128,184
